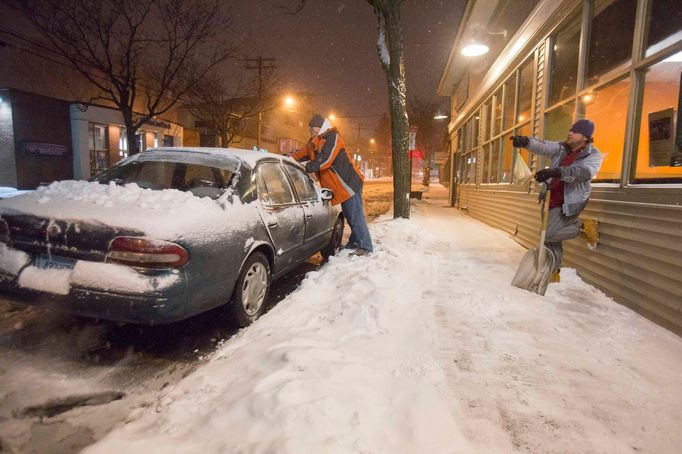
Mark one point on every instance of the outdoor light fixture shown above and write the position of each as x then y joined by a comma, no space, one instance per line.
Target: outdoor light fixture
332,117
476,46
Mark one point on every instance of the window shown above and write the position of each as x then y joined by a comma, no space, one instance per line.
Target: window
665,25
559,121
123,144
485,174
303,185
141,141
525,91
564,71
475,122
486,120
509,102
506,161
156,141
99,147
659,149
167,140
521,155
607,107
202,181
609,48
497,113
273,187
495,161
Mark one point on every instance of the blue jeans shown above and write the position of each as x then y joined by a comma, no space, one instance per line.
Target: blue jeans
355,215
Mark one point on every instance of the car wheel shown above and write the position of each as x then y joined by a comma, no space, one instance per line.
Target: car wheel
251,290
335,242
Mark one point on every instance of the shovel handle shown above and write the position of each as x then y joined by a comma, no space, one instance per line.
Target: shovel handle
543,229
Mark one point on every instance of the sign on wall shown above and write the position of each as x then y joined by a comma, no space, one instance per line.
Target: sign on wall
33,149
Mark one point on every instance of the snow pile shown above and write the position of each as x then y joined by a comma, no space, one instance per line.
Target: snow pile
11,260
345,364
424,347
165,214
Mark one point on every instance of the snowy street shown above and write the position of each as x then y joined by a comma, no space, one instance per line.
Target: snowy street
424,347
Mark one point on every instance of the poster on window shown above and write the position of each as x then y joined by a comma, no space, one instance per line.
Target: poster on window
661,137
676,160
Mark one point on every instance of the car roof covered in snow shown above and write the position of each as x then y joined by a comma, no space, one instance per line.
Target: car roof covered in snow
209,156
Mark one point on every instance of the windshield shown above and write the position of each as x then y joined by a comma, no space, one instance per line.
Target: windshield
200,180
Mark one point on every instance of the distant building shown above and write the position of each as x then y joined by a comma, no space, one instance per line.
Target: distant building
617,62
46,134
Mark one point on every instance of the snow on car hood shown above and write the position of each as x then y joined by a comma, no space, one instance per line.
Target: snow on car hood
166,214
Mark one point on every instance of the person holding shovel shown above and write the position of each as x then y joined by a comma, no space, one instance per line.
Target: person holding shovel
574,162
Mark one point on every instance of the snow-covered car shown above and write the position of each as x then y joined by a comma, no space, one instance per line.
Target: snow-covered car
166,234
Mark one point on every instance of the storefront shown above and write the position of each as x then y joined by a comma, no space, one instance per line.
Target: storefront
43,139
618,63
100,138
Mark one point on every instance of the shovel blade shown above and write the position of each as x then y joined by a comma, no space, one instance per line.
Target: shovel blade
532,276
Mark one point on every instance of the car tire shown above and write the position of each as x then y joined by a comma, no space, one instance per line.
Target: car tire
251,290
335,242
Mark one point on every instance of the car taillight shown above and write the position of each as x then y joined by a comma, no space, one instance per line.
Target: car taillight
147,253
4,231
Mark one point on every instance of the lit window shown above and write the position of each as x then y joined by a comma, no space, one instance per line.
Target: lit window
607,107
659,151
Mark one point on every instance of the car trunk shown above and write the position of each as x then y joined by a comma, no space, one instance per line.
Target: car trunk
75,240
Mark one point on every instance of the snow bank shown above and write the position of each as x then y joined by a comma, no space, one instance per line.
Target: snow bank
167,214
345,364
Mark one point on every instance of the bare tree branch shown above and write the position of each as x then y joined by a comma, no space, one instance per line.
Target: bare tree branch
164,47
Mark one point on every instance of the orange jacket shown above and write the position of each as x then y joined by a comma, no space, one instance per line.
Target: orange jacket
326,154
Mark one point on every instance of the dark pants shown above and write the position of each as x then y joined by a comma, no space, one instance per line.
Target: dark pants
355,216
559,228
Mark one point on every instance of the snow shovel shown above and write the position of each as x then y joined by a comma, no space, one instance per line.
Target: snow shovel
535,269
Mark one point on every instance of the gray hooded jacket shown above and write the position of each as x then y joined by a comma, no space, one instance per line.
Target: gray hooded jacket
576,177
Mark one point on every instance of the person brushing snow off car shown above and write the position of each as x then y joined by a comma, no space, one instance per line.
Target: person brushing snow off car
326,155
574,163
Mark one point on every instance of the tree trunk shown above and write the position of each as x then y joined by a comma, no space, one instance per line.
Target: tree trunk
130,131
395,77
224,139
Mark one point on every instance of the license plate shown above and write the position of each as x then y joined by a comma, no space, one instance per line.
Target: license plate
53,262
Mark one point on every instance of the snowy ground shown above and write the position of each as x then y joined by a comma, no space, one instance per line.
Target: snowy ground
423,347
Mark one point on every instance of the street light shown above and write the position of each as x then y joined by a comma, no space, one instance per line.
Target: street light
289,102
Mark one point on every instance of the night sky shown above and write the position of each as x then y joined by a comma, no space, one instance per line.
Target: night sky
329,49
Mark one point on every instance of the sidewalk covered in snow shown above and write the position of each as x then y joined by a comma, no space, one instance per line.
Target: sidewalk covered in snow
424,347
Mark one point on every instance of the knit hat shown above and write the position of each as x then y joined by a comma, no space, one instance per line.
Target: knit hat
584,127
316,122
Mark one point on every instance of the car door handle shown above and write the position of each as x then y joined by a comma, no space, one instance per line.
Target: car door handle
273,224
308,216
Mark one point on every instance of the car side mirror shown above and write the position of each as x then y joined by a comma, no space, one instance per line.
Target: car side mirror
327,194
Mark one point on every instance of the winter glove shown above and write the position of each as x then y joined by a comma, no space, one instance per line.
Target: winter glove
308,167
545,174
519,141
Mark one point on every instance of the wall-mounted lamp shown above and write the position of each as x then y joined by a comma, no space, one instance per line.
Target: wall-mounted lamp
477,45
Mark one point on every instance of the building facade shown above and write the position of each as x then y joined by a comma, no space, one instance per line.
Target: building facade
616,62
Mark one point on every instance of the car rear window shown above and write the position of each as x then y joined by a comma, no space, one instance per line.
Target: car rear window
202,181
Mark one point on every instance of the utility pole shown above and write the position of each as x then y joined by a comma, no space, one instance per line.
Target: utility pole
260,64
357,143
